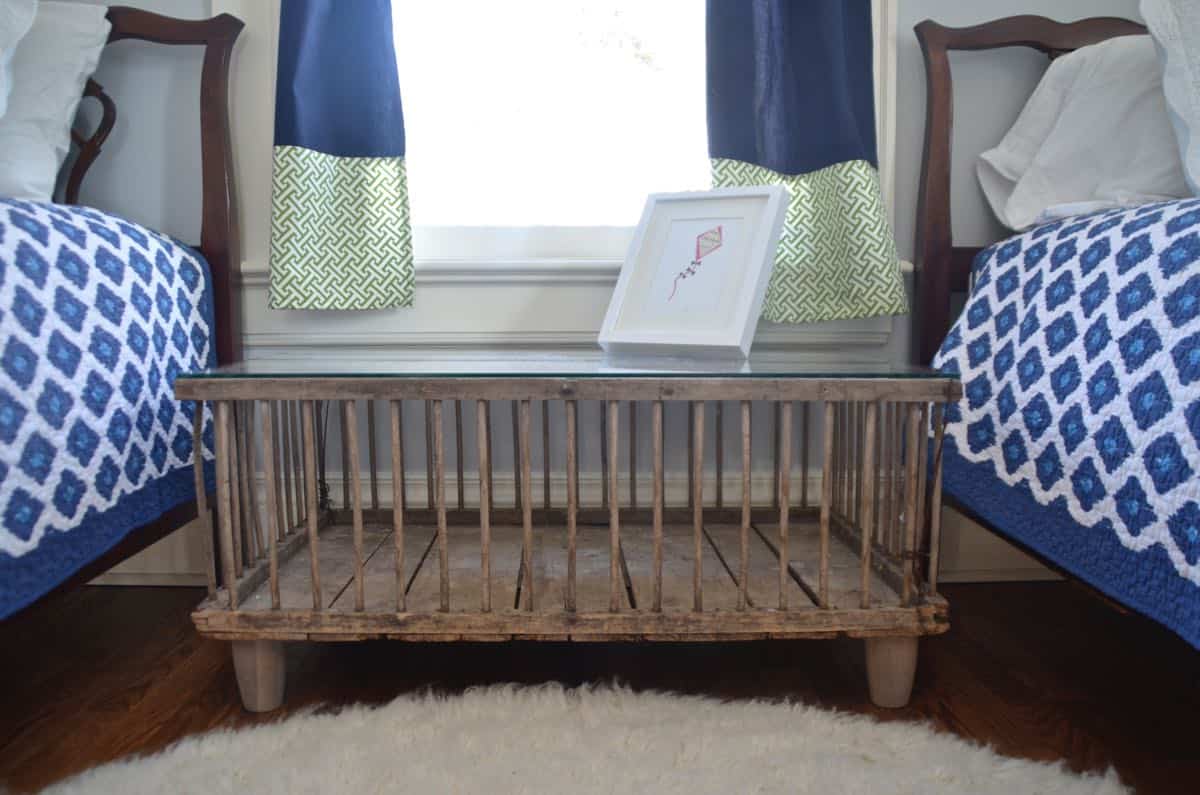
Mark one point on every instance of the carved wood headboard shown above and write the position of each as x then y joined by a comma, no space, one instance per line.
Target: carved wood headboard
942,267
220,242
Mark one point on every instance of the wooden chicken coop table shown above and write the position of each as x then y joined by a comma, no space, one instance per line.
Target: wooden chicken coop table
853,553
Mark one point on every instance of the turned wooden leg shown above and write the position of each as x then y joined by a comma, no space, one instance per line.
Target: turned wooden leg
260,673
891,665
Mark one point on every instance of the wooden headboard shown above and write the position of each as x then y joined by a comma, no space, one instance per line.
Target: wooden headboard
942,267
220,243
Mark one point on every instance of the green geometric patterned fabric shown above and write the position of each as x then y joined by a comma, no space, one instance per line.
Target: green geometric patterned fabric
340,233
836,257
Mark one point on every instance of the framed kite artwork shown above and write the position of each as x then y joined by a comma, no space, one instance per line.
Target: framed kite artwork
696,273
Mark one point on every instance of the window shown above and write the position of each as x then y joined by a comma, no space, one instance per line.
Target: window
547,113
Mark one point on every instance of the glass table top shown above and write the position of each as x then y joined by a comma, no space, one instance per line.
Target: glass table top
562,365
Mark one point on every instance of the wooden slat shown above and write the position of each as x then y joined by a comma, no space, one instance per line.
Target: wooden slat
439,489
719,585
309,436
258,545
763,564
372,459
299,468
604,456
633,487
805,440
719,452
276,451
429,495
350,420
922,487
935,500
776,408
235,470
744,541
546,454
868,478
827,484
526,502
202,512
268,445
571,409
691,455
911,480
458,458
289,477
485,501
225,500
398,497
345,432
490,466
516,437
784,490
657,432
697,434
614,518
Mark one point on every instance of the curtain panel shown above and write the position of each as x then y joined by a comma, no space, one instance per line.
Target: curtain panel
340,232
791,102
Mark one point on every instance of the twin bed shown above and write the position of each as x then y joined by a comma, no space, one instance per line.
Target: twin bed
100,315
1078,437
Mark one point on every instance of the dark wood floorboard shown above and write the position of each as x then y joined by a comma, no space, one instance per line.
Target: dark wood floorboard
1038,670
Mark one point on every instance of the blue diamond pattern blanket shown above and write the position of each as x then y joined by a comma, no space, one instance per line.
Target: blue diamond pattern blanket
1078,434
97,318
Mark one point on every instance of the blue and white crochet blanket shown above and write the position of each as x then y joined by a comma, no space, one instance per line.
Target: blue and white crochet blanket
97,317
1078,434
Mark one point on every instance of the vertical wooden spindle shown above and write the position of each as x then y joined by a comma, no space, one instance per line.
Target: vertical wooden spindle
345,432
604,456
784,490
935,499
633,489
350,419
235,472
614,520
225,500
298,471
868,479
270,484
657,432
697,435
719,453
877,476
911,478
805,413
458,458
491,499
526,502
922,478
856,471
744,551
572,500
894,520
429,487
885,471
251,470
275,450
202,512
546,455
827,468
516,430
398,498
246,485
439,496
287,502
691,455
372,461
483,441
309,437
776,408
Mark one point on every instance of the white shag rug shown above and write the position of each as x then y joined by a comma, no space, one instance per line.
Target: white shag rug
547,739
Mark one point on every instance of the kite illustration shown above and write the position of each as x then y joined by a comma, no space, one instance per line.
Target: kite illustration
706,243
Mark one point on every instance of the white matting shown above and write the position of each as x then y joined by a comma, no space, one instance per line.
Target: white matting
546,739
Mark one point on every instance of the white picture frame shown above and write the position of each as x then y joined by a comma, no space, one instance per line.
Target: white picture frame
694,279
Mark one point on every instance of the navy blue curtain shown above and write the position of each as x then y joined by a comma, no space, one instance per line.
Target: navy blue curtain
340,233
790,83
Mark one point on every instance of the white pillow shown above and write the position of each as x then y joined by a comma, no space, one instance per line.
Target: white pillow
1175,26
50,67
1095,130
15,18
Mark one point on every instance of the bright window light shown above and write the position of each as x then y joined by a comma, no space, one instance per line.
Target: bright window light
550,112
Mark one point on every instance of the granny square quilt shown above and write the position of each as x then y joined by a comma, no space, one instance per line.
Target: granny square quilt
1078,434
98,316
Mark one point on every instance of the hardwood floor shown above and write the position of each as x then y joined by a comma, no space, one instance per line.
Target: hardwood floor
1039,670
